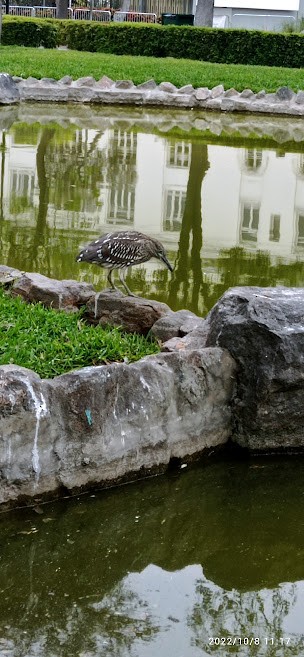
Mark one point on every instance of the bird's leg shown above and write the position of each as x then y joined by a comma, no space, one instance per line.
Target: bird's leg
122,273
109,278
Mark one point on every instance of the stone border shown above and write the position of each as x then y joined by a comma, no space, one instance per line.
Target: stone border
101,425
124,92
237,375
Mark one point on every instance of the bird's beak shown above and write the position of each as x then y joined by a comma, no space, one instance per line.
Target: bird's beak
166,261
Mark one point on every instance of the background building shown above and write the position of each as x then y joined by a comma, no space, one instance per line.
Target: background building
258,14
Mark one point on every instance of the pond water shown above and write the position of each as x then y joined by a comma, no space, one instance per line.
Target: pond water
228,207
168,567
203,561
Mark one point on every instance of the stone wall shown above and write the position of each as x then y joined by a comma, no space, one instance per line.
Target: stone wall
124,92
101,425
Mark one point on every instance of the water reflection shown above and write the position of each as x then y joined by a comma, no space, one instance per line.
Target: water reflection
227,215
159,567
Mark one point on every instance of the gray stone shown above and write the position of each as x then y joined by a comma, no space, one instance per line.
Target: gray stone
202,93
214,103
105,82
246,93
227,104
49,81
170,325
9,90
107,92
242,104
263,330
30,81
87,81
82,94
186,89
148,85
231,92
194,340
66,80
8,275
192,324
99,425
300,98
284,93
133,314
217,91
124,84
119,97
45,93
168,87
64,294
156,97
261,94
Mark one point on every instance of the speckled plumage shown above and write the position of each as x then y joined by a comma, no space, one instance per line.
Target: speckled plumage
123,249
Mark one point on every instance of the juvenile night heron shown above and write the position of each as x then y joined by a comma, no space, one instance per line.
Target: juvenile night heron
120,250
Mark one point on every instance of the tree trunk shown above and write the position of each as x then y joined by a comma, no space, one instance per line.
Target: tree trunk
204,13
62,8
125,5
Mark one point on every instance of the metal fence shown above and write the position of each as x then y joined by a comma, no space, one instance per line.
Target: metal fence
91,15
15,10
101,15
134,17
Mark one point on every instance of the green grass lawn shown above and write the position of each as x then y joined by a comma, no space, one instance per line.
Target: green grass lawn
57,63
53,342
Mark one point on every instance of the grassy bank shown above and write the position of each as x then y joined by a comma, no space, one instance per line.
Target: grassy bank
57,63
51,342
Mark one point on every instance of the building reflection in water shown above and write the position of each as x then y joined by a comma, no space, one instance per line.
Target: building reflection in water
208,204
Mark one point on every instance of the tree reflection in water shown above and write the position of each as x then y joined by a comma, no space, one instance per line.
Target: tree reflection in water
187,278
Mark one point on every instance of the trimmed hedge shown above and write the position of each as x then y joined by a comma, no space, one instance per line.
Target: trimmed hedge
210,45
31,32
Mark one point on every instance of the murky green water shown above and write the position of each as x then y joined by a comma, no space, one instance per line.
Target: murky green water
168,567
208,561
230,210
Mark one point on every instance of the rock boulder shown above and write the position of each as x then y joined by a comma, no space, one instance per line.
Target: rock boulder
65,294
100,425
9,92
263,329
176,324
133,314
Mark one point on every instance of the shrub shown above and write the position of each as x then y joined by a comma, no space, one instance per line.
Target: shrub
29,32
210,45
227,46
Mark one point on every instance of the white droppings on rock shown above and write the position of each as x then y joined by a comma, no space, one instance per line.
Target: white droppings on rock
115,402
40,408
9,451
96,305
144,383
